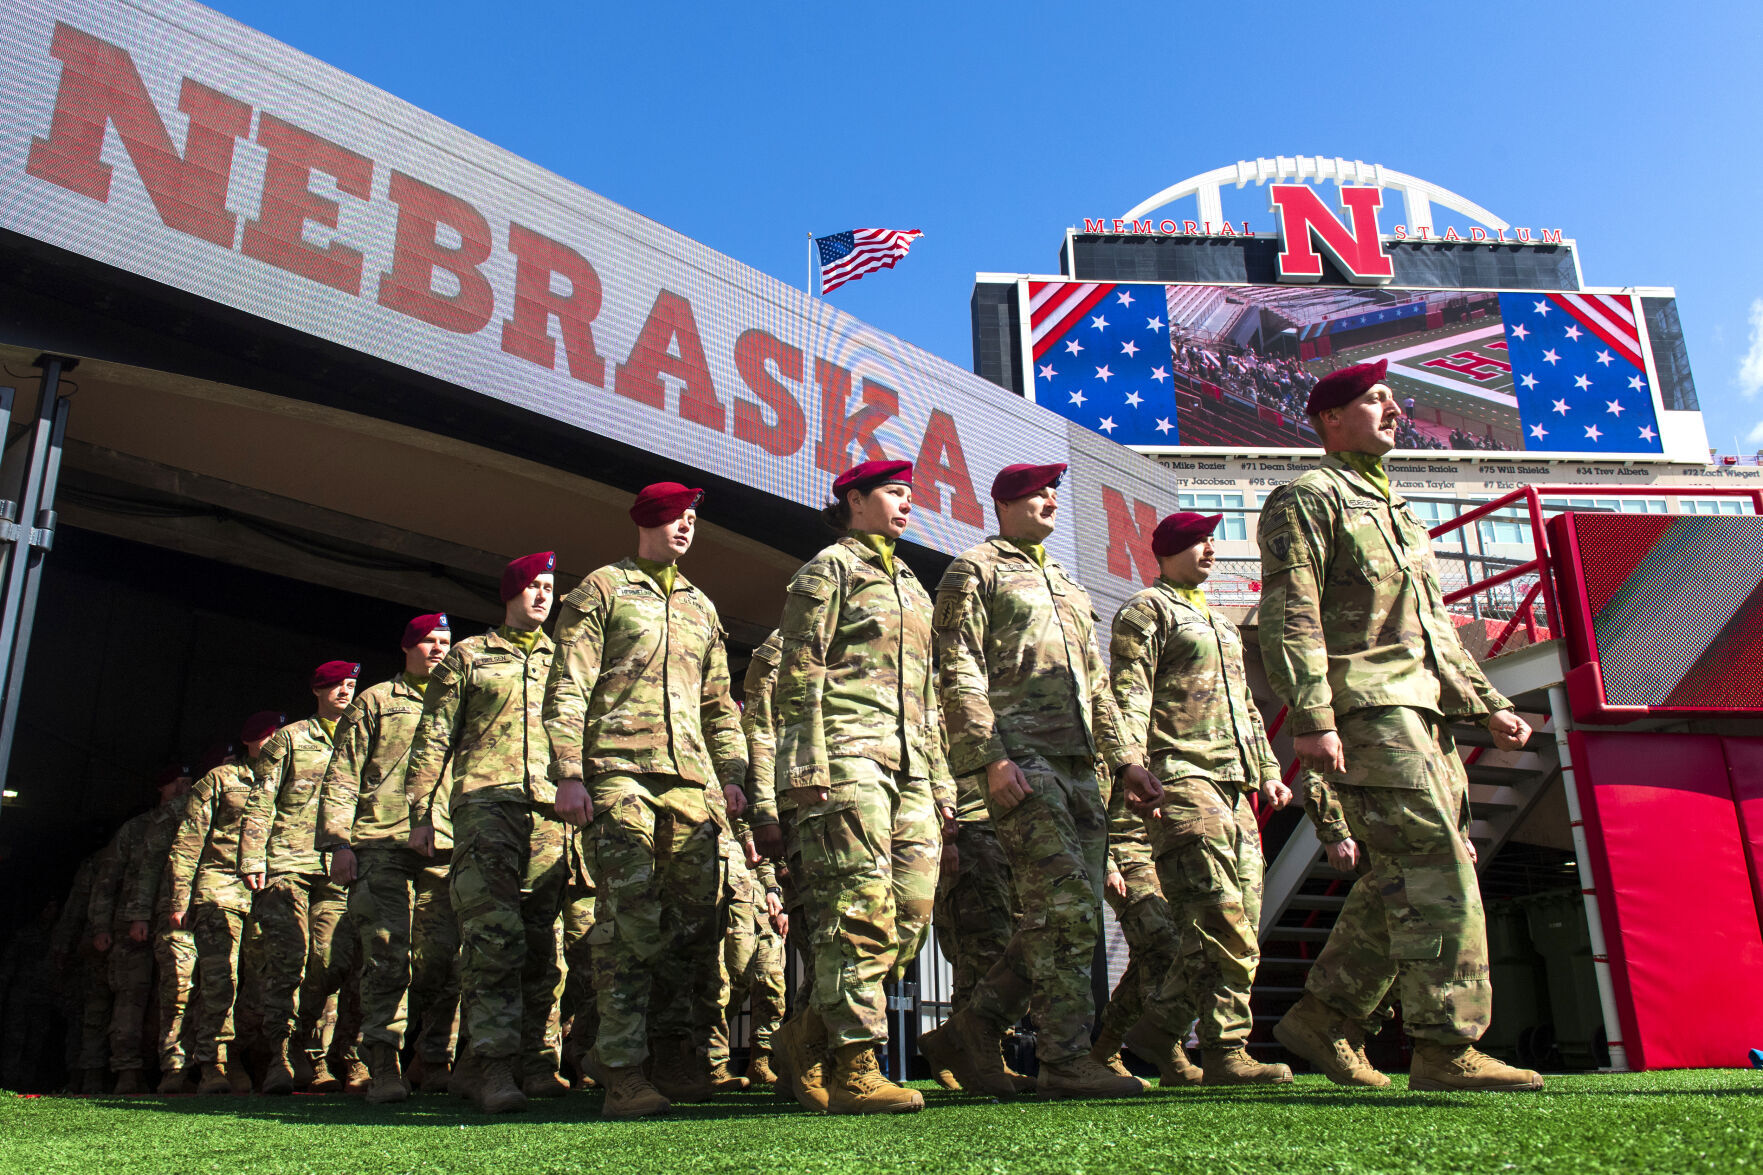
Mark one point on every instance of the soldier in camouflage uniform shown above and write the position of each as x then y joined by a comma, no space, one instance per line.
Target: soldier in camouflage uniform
642,724
1026,700
859,747
578,1012
85,990
1356,640
1186,709
752,963
398,900
480,755
210,898
299,909
164,972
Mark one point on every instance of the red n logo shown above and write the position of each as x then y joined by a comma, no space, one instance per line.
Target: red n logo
1305,223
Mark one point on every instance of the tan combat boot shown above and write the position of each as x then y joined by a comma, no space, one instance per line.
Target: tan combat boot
1079,1076
979,1059
463,1082
1314,1032
437,1077
305,1071
238,1073
801,1060
628,1093
940,1051
539,1078
93,1081
1460,1066
129,1083
677,1069
1165,1050
353,1073
759,1070
1232,1065
388,1084
278,1080
725,1080
496,1092
858,1086
171,1081
214,1080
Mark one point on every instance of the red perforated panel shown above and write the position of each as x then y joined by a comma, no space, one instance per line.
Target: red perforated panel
1744,763
1611,547
1674,887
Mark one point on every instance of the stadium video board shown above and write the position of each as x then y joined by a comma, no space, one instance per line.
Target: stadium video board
1222,366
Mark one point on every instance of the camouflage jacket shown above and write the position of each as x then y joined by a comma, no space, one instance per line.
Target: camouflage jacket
1185,706
1129,841
1020,671
113,862
363,800
70,927
281,823
1351,610
204,864
857,675
765,799
1323,807
145,896
640,683
481,739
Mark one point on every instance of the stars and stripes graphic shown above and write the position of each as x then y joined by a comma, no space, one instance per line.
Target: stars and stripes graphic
1578,373
1101,356
847,256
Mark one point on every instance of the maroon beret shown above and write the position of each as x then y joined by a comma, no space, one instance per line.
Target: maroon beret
262,724
1344,386
871,474
661,503
170,773
421,626
524,570
215,755
334,673
1178,532
1019,481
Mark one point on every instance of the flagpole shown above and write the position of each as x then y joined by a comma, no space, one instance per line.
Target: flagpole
810,263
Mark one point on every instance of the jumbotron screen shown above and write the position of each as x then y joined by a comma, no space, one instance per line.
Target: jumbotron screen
1231,366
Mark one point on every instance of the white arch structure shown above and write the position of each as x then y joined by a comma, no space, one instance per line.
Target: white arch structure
1417,194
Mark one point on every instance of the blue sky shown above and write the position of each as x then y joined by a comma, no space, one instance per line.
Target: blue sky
993,126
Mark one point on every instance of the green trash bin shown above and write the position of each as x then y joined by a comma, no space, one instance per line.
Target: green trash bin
1561,936
1520,995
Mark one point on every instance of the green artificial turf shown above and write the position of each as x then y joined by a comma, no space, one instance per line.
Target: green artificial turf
1652,1122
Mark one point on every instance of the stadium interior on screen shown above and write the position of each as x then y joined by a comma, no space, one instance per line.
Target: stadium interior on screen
1231,366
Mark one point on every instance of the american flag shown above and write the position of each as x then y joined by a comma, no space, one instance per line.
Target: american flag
847,256
1102,359
1578,373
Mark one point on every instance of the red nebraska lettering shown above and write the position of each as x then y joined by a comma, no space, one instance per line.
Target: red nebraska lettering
1305,223
99,85
1129,536
278,234
756,353
669,345
527,332
408,287
840,430
942,462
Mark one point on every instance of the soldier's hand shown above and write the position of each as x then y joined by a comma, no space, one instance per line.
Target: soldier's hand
101,941
573,806
1144,795
774,903
807,797
768,839
1116,884
1275,794
1321,750
1006,785
780,924
751,853
342,865
138,930
180,920
422,840
736,798
253,881
1343,855
1474,853
1509,730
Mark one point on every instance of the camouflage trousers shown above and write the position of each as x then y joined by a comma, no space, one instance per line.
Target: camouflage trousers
87,1011
220,935
175,953
509,871
752,968
658,872
1057,843
870,855
976,909
402,908
129,972
309,952
1415,917
579,1014
1152,941
1208,853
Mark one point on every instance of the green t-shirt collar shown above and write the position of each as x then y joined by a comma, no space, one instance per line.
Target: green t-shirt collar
881,544
1371,469
664,574
1192,593
1035,551
526,640
419,684
329,724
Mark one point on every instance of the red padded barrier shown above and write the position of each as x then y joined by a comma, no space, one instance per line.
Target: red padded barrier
1744,764
1674,884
